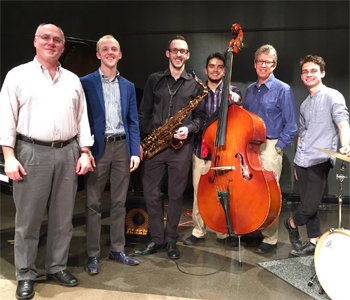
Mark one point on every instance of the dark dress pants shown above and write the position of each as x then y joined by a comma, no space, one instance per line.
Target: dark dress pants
114,164
50,185
312,182
177,163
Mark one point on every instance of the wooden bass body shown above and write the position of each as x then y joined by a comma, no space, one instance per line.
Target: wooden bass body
254,193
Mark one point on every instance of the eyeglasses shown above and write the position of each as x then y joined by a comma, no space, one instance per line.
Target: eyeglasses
46,38
267,63
176,51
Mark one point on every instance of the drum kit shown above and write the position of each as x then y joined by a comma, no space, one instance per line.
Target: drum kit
332,250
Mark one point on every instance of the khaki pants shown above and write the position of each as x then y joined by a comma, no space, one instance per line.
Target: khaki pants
271,161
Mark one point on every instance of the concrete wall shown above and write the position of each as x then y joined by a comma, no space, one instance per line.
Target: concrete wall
295,28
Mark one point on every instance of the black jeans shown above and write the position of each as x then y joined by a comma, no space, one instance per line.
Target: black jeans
312,181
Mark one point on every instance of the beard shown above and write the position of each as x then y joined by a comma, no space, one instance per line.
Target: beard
215,81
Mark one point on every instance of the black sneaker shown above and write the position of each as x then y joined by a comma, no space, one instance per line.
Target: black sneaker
231,241
191,240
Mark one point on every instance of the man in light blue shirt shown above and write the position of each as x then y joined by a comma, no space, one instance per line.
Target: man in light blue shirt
323,118
274,102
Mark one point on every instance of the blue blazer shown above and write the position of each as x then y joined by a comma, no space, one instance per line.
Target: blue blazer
97,116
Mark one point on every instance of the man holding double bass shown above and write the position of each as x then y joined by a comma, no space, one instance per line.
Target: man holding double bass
215,70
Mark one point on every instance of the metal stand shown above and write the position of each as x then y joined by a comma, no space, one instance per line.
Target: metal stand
340,177
240,263
311,282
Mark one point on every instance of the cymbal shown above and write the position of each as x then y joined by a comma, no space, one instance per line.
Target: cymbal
335,154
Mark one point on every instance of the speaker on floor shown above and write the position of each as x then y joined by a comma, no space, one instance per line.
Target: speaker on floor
136,220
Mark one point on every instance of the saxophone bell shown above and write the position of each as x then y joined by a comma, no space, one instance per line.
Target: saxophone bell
176,143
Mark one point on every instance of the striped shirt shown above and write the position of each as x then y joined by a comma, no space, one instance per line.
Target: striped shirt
111,96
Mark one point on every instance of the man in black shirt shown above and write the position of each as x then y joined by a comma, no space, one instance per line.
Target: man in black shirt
164,95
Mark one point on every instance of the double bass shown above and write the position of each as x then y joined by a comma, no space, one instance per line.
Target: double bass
237,195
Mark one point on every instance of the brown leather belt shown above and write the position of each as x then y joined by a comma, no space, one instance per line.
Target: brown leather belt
112,139
55,144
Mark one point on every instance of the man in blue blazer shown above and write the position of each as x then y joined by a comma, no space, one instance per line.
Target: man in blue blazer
113,117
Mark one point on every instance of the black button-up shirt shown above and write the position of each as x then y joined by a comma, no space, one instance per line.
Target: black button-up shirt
154,108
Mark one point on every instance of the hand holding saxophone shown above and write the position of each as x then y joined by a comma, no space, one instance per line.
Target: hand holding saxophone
181,133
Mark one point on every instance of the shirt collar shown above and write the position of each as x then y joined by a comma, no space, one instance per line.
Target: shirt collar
268,83
104,76
322,87
184,74
219,87
40,66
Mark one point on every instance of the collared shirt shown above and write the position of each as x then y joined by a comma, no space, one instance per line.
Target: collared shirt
111,96
39,107
274,102
320,115
154,108
212,103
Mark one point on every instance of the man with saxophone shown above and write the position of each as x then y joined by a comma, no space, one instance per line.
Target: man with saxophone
166,93
215,70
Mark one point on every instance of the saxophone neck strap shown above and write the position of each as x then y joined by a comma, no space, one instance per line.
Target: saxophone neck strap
172,93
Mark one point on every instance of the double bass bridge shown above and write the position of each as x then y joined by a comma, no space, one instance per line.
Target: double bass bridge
230,168
222,170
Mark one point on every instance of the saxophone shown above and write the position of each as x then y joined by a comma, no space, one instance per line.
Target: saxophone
163,136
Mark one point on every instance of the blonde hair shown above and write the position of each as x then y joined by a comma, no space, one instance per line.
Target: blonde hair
106,37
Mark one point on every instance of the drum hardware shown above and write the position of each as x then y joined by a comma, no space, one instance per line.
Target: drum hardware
335,154
332,241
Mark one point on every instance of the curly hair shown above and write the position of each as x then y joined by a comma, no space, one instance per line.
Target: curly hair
318,60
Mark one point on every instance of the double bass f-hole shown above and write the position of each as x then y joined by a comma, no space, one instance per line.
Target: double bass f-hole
243,169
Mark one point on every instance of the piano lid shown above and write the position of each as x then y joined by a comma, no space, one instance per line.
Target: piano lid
79,56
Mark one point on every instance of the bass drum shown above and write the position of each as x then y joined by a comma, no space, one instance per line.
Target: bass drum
332,263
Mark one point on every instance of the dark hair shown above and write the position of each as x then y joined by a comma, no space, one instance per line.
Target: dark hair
318,60
215,55
178,37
